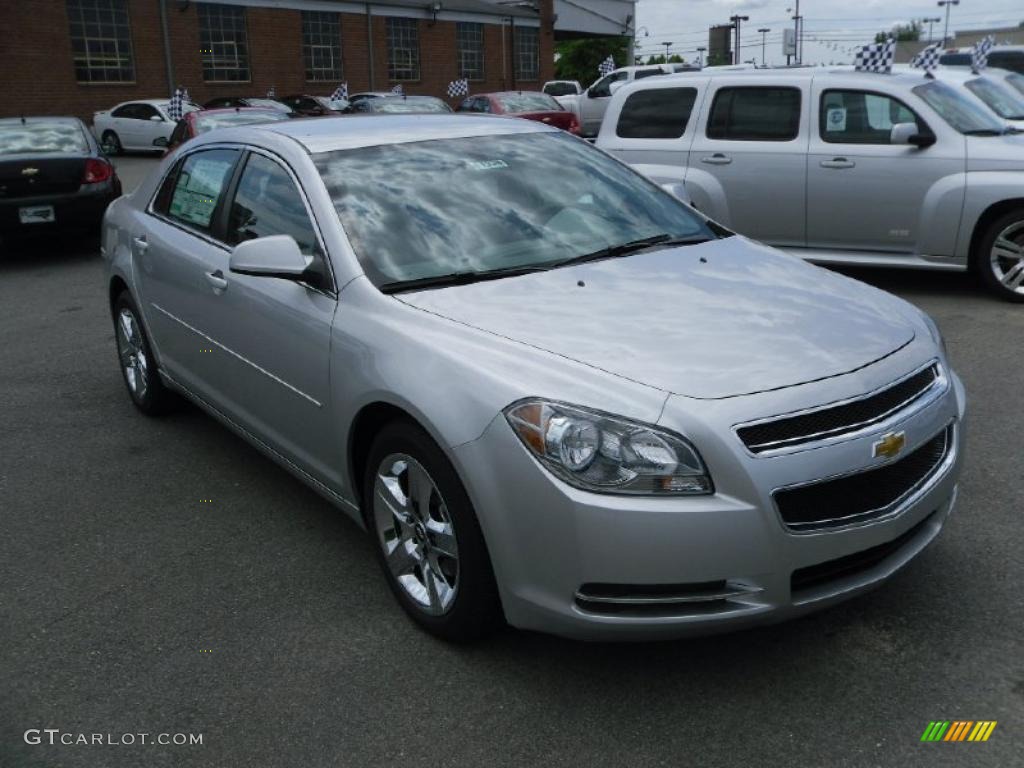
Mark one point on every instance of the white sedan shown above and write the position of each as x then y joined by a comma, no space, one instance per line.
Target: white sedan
143,125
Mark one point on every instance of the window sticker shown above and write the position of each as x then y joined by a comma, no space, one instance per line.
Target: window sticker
195,195
835,119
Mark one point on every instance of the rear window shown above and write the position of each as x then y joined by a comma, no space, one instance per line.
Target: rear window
528,102
395,106
59,137
956,59
560,89
660,113
206,123
642,73
755,113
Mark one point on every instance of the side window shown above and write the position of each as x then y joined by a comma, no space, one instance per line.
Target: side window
199,186
1011,60
482,105
603,87
125,110
267,203
466,106
859,117
755,113
660,113
162,201
145,111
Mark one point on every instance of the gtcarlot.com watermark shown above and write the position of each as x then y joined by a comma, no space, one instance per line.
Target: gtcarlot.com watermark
55,736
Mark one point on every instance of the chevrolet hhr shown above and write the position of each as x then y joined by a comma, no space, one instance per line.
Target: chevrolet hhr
552,393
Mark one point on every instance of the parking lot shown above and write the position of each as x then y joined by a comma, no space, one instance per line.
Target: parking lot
163,576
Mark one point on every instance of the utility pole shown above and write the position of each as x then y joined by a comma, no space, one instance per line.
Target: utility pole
929,22
764,31
945,4
736,25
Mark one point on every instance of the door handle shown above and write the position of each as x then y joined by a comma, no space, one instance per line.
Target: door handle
140,244
216,279
838,162
716,159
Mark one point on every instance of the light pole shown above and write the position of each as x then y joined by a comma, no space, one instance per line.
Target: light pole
667,46
700,56
764,31
736,25
929,22
945,4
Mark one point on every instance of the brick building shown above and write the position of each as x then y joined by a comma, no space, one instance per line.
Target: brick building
79,56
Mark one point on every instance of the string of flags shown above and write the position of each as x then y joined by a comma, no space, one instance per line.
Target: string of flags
340,93
458,88
927,58
979,54
606,67
876,57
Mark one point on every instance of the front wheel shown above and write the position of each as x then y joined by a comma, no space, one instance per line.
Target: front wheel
427,536
1000,256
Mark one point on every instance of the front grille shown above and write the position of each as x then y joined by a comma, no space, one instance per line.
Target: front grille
839,419
851,565
860,497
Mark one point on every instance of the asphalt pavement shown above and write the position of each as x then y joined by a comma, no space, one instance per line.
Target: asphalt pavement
129,604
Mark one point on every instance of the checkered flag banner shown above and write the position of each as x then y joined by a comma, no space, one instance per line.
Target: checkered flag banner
606,67
979,54
341,92
927,58
458,88
399,90
876,57
175,109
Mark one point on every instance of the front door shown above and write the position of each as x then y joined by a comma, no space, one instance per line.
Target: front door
595,101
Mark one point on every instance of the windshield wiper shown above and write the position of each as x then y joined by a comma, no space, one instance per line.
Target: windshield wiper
984,132
624,249
456,278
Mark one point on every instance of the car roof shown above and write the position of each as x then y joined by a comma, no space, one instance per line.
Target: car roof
903,77
326,134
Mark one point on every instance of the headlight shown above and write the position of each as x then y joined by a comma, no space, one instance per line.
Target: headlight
598,452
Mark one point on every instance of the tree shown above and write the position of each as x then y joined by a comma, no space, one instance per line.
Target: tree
659,59
579,59
902,32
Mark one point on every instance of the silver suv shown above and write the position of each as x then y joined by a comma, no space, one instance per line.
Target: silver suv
836,166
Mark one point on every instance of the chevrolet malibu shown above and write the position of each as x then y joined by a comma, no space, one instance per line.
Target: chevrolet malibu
552,393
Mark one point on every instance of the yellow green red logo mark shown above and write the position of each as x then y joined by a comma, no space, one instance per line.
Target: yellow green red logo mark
958,730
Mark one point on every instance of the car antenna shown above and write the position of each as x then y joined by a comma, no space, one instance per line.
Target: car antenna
23,120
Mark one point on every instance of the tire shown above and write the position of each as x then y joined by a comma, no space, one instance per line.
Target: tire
442,545
999,259
111,144
135,359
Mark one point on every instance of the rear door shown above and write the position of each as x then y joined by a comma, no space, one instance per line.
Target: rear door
748,158
124,121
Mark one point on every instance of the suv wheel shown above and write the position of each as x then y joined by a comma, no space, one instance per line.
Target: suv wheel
138,366
1000,257
427,537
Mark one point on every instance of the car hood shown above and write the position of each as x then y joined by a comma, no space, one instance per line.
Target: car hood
995,153
714,320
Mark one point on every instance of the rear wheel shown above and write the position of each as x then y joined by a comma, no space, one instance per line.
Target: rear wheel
427,537
1000,256
111,143
138,366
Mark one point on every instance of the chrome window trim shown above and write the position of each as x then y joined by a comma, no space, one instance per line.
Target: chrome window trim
939,386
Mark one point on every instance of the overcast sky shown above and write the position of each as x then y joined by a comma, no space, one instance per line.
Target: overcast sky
831,27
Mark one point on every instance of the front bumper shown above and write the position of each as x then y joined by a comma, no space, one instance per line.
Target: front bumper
565,558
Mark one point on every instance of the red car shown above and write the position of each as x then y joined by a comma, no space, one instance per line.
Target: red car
203,120
533,105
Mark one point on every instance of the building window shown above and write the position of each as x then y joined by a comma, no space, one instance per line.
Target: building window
403,49
321,46
469,44
224,49
101,41
527,53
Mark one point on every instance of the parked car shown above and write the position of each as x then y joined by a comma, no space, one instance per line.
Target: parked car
549,390
230,102
53,177
987,88
592,103
143,125
837,166
1010,79
531,105
315,106
397,105
201,121
1009,57
355,98
558,88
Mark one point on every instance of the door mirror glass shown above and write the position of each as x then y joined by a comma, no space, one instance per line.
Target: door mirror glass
271,256
902,133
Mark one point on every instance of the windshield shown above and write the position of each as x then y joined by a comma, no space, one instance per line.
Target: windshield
1006,103
1017,81
460,206
396,105
514,103
561,89
956,109
51,137
206,123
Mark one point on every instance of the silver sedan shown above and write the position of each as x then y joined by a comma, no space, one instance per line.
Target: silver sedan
552,393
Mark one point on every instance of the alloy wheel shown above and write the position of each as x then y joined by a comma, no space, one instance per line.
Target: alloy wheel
1007,257
416,532
132,352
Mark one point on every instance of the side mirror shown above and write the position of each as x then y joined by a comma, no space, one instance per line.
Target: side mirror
907,133
272,256
155,119
678,191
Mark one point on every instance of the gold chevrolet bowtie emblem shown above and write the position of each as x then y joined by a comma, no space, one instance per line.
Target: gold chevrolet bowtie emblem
890,445
29,171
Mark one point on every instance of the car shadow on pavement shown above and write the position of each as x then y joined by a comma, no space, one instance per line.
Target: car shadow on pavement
916,281
47,251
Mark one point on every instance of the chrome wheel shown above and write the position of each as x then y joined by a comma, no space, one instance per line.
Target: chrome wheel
132,351
416,533
1007,257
